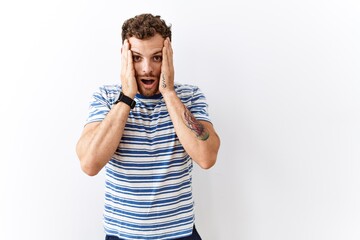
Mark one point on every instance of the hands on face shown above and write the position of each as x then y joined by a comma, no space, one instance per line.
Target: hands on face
128,80
166,82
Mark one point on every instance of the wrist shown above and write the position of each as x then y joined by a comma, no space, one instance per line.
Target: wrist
169,94
126,99
129,94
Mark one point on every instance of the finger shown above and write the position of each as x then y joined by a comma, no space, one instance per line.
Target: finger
170,46
169,56
130,66
124,50
170,53
165,61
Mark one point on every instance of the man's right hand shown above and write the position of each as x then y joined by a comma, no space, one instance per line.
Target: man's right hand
128,80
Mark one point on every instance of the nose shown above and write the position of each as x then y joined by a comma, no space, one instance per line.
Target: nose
146,67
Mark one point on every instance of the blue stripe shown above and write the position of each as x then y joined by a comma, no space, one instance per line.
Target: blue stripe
147,235
163,202
150,227
143,178
150,168
155,165
148,216
147,191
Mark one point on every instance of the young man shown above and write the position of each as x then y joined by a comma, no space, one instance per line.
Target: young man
147,132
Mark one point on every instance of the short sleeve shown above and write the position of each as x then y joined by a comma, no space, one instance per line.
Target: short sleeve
199,106
99,106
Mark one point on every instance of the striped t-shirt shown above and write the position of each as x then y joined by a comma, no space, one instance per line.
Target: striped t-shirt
148,193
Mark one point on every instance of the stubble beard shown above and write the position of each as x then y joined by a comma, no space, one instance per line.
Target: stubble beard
148,92
145,91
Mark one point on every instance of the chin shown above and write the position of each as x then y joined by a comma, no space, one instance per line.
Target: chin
148,92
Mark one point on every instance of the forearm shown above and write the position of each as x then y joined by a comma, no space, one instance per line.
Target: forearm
198,138
99,142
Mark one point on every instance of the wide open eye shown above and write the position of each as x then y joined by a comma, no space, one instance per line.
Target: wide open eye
157,58
136,58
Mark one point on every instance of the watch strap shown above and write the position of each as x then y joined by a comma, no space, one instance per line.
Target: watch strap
125,99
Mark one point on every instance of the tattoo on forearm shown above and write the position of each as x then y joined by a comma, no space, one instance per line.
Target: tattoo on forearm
163,84
195,126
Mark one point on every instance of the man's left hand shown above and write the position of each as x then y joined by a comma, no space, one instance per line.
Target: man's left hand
166,83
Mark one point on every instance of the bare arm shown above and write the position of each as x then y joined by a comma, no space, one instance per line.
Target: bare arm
198,138
99,140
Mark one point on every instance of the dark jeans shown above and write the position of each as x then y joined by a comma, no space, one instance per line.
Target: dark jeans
195,236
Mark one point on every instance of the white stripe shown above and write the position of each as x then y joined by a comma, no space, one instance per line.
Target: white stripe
143,155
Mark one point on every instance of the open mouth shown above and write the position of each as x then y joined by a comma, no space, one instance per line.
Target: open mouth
147,81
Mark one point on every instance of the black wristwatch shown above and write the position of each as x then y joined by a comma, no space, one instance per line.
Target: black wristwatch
125,99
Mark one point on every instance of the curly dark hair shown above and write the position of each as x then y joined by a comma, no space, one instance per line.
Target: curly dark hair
144,26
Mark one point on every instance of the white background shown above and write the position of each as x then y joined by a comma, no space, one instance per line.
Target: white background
282,79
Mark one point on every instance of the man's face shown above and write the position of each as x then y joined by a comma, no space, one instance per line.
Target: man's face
147,59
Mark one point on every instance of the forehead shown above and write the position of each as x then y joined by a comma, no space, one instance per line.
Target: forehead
147,46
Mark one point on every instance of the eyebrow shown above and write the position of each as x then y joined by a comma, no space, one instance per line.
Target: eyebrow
141,54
